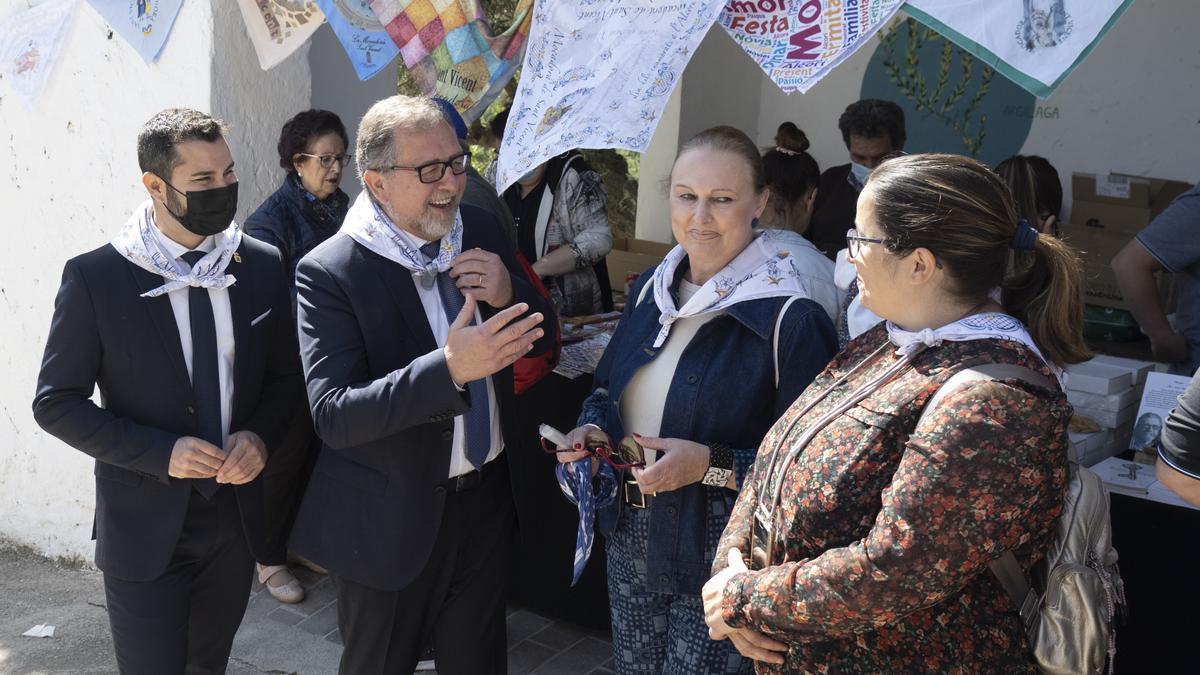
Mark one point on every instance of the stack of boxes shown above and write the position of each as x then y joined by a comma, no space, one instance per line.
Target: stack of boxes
1106,390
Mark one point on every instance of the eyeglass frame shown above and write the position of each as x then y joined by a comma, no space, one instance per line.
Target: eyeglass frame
342,159
448,164
603,451
854,245
854,242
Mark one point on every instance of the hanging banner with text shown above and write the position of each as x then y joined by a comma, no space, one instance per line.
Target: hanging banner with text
30,42
144,24
278,27
797,42
598,74
1035,43
450,51
361,34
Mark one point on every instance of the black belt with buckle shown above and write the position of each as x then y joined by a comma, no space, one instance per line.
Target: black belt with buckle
634,496
471,479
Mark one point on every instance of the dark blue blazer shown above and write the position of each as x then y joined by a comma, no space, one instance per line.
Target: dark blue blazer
104,334
384,405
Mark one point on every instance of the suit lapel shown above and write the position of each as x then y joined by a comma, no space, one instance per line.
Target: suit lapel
399,282
241,304
163,318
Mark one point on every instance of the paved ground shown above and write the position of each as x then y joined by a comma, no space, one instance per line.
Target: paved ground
274,638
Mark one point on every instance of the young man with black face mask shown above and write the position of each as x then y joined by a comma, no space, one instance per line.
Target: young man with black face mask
185,325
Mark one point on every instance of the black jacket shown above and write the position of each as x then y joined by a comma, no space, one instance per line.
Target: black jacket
104,334
833,213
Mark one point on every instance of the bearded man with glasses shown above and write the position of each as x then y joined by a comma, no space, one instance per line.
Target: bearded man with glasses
410,320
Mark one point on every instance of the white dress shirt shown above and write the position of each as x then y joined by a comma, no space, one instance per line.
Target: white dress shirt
431,300
222,319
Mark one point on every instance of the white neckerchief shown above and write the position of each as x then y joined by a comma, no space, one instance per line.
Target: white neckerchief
139,245
761,270
367,224
987,325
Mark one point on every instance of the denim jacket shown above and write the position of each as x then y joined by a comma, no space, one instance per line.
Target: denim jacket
723,391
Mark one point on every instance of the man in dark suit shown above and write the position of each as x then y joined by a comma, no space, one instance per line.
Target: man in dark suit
410,319
186,328
873,131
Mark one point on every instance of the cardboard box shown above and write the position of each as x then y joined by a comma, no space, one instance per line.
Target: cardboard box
1137,369
1106,213
1109,419
1097,379
630,257
1096,249
1118,203
1092,448
1104,402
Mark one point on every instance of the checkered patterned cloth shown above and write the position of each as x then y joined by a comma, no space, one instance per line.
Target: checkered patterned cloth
450,52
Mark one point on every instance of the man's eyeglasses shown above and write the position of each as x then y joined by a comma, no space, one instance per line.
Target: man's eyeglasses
854,242
432,172
326,161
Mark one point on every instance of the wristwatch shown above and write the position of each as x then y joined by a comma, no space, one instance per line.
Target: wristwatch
720,465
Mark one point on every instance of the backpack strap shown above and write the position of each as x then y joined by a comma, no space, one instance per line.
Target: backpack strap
1006,568
645,289
778,327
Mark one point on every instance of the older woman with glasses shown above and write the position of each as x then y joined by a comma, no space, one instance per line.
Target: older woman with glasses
862,542
714,344
307,209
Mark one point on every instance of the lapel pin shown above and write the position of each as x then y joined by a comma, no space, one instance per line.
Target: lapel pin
237,257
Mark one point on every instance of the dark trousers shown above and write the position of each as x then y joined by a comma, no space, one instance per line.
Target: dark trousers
458,598
184,621
284,480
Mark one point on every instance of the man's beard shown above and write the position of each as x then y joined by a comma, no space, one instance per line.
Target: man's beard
432,226
176,205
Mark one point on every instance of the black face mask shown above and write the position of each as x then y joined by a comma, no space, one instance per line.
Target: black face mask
208,211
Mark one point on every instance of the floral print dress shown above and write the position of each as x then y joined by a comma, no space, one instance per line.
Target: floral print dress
885,525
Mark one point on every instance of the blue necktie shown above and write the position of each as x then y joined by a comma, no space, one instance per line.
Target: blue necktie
206,380
477,419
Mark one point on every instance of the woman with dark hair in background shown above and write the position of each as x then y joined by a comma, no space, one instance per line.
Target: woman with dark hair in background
1036,189
307,209
792,175
862,541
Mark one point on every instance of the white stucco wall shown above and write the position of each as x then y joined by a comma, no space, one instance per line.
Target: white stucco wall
72,179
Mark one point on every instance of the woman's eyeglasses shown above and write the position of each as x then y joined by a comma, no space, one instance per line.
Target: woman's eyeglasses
854,242
432,172
326,161
627,455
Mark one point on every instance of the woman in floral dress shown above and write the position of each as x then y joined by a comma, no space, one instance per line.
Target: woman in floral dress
861,541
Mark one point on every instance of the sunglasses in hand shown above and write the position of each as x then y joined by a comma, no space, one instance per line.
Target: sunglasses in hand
627,455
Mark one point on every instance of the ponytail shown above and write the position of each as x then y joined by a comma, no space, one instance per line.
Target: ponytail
1046,295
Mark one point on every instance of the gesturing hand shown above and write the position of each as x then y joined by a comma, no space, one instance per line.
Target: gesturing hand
482,274
193,457
750,643
247,457
475,352
682,463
